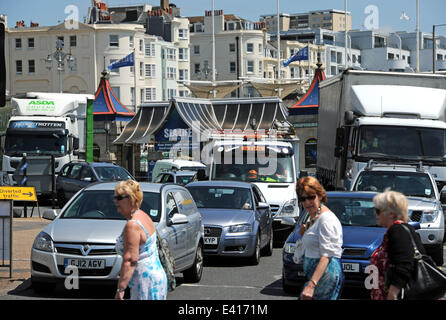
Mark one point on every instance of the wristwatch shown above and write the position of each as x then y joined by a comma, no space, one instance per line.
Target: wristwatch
120,290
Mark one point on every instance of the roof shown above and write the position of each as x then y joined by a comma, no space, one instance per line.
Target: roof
309,103
106,106
219,183
205,116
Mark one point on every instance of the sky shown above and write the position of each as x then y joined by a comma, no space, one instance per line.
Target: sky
366,14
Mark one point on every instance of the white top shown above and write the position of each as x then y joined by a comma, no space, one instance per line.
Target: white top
324,238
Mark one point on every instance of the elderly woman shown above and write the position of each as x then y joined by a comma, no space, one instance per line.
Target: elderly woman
394,258
141,268
322,243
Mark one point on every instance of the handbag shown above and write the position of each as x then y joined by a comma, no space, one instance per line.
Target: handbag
428,282
167,262
299,252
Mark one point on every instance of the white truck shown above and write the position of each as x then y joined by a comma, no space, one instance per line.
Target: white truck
271,164
45,124
382,116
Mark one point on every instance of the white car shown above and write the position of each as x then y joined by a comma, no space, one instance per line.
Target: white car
418,185
84,234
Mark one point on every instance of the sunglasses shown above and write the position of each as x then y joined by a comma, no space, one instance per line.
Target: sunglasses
377,212
303,199
120,197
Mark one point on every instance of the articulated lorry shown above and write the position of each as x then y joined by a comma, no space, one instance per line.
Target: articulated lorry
44,125
382,116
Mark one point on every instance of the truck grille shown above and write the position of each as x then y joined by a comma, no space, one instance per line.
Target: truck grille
416,215
274,209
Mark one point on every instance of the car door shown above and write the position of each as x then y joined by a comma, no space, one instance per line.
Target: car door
176,234
72,181
62,180
263,214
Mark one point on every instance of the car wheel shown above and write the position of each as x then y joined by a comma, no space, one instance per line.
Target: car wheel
255,258
194,273
268,250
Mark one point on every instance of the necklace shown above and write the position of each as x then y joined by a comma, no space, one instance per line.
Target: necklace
133,212
318,212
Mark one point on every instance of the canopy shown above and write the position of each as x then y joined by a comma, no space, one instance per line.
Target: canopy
270,89
205,89
106,106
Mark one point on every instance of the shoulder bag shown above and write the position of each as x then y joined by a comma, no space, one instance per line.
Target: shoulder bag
167,262
428,281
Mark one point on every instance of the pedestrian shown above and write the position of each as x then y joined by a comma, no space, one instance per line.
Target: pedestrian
394,257
322,243
141,268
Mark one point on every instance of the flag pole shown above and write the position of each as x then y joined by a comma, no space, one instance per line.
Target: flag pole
134,78
278,50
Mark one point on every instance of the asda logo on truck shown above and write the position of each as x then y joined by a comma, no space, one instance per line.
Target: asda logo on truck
41,105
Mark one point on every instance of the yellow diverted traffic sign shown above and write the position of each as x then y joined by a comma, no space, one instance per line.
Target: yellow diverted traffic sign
18,193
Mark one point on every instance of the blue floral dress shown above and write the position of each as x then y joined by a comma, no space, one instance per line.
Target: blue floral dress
149,281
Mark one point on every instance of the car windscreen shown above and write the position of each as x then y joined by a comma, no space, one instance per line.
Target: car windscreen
411,184
112,173
353,211
100,205
221,197
184,179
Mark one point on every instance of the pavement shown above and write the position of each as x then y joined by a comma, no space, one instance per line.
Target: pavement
23,234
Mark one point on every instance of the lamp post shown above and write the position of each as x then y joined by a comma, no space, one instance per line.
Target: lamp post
434,47
59,56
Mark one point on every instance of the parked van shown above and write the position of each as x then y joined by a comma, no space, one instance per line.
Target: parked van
175,164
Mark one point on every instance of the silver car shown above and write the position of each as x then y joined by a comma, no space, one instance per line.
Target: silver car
84,234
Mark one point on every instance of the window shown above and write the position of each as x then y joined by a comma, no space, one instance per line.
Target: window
294,72
310,153
249,47
197,68
232,67
250,67
132,95
18,43
73,41
18,67
150,94
141,69
113,41
339,57
31,66
232,47
260,66
182,54
333,56
260,48
131,41
62,40
183,74
30,42
150,71
390,56
171,93
171,54
182,33
196,49
149,49
141,45
199,27
171,73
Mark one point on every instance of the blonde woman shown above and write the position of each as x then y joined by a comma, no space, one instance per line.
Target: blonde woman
394,258
141,268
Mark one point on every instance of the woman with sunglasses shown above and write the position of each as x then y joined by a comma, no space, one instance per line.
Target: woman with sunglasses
394,258
322,243
141,268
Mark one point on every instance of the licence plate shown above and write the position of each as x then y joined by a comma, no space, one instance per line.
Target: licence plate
85,263
350,267
210,240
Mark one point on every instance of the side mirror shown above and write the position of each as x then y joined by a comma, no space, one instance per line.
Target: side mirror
443,195
179,219
75,143
262,206
50,214
88,179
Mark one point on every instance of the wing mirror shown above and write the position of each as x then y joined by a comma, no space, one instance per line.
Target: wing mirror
50,214
179,219
262,206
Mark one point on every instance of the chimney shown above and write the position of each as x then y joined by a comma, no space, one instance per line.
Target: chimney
164,4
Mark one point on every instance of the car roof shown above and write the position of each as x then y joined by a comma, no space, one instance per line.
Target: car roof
351,194
145,186
184,163
94,164
220,183
180,172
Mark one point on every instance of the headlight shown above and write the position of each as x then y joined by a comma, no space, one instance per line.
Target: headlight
43,242
240,228
289,209
429,216
289,247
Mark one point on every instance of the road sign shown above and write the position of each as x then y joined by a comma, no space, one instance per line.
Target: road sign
18,193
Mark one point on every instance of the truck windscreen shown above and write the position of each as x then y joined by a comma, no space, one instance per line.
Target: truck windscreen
405,143
37,144
253,167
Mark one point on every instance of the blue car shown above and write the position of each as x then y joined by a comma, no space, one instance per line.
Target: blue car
237,220
361,235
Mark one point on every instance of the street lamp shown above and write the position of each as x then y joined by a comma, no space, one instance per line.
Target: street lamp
59,56
434,46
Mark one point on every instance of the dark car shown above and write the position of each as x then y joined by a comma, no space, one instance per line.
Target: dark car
237,220
76,175
361,237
